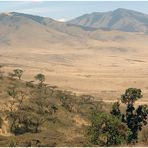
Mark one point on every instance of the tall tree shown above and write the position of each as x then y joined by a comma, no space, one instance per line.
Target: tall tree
135,118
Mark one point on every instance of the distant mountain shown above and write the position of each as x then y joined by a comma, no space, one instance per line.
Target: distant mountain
119,19
18,30
33,31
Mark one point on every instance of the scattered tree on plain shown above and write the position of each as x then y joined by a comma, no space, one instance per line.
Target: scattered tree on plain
18,73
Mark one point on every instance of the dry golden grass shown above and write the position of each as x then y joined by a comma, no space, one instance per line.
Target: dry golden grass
104,68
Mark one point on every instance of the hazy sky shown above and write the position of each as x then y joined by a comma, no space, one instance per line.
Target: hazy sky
68,10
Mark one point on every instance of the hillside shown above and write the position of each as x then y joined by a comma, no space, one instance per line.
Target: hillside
28,31
34,113
78,83
84,60
119,19
20,30
66,125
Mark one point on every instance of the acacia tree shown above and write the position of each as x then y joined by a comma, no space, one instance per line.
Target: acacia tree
40,106
68,100
135,118
17,95
18,73
40,78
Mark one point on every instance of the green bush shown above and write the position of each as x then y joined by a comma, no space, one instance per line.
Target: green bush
107,130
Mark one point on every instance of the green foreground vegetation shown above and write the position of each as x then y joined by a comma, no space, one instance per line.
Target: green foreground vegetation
37,114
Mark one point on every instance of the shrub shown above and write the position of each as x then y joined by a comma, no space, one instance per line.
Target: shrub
107,130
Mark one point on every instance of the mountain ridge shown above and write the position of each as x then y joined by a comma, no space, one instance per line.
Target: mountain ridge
25,30
119,19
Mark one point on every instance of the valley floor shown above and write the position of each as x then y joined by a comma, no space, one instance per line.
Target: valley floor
103,74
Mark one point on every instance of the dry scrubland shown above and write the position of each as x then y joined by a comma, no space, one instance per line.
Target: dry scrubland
65,127
104,68
66,124
97,62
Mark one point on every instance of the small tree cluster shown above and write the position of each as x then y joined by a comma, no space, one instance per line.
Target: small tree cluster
68,101
28,115
16,73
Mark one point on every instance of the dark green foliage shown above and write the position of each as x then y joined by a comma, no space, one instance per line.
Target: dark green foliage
131,95
134,118
116,110
107,130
